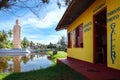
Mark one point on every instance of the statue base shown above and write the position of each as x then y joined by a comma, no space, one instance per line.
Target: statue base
14,52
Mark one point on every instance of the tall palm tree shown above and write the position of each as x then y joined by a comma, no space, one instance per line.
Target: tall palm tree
4,39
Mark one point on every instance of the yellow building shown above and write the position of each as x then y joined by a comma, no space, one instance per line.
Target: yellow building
93,31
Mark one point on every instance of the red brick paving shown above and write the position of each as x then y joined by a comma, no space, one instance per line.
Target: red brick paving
92,71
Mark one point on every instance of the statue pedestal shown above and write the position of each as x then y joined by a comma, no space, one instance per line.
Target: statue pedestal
14,52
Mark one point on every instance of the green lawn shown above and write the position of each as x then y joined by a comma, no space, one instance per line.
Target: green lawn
56,72
3,76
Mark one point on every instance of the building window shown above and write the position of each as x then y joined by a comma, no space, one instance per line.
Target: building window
69,39
74,44
78,36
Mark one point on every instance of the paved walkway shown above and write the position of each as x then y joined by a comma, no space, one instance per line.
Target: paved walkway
92,71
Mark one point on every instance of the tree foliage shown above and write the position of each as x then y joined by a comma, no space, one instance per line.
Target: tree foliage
25,42
9,6
32,44
62,43
10,33
4,39
45,1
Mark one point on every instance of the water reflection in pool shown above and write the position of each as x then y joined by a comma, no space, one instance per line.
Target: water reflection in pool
23,63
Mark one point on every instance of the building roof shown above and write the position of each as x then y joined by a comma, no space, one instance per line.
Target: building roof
75,9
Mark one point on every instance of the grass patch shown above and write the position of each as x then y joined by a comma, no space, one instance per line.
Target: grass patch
3,75
56,72
60,54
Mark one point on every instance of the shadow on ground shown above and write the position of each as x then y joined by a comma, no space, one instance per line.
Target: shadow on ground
56,72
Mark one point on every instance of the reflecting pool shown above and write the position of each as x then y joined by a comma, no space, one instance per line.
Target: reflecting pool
24,63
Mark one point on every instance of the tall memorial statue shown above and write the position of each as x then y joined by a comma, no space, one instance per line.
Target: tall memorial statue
17,50
16,35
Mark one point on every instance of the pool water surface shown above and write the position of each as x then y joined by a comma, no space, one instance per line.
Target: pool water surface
24,63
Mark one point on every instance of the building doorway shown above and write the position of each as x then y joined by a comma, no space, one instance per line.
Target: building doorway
100,37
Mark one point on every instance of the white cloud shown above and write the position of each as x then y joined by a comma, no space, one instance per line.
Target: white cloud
6,25
30,21
50,19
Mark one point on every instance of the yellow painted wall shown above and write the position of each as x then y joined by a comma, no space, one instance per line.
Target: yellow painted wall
113,18
86,53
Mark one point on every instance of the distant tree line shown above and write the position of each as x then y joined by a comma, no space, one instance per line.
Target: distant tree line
7,42
60,45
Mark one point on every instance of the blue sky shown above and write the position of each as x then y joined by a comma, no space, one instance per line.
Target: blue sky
40,30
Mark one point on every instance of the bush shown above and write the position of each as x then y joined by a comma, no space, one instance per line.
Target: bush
2,45
54,52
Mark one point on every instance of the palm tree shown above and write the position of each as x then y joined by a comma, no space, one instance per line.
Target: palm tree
10,33
3,38
4,41
9,43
